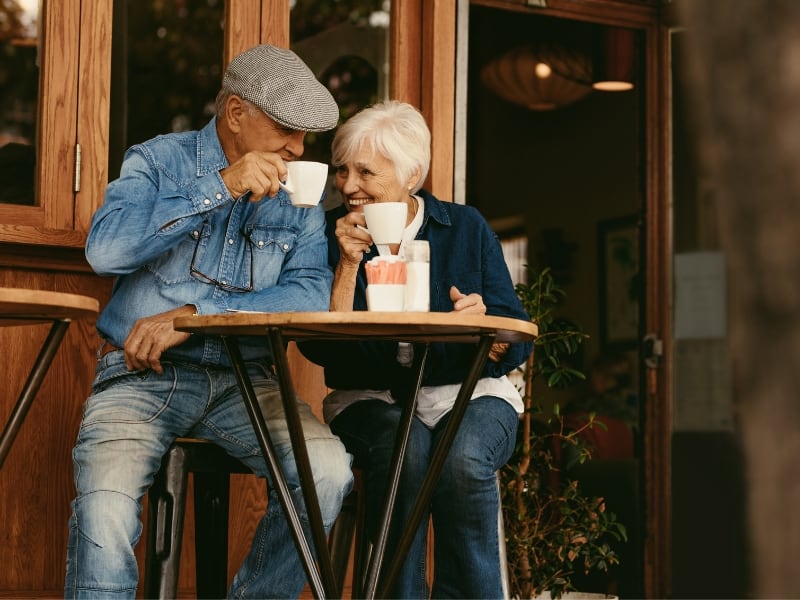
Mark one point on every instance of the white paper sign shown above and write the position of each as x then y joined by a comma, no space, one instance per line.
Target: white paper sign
700,296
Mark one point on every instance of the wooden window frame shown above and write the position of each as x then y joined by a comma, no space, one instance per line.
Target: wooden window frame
75,63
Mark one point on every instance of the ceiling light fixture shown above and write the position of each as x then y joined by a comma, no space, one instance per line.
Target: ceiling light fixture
540,76
613,60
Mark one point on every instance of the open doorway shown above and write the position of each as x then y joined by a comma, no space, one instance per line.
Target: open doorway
571,176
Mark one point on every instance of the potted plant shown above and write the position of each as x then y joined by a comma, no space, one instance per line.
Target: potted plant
552,530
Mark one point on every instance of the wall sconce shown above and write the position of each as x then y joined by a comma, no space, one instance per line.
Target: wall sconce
540,76
613,60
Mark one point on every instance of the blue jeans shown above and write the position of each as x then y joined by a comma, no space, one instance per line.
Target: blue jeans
465,502
129,422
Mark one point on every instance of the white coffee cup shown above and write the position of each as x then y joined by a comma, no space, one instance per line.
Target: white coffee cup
386,297
305,182
386,221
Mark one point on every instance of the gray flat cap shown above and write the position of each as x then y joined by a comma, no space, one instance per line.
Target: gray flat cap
280,84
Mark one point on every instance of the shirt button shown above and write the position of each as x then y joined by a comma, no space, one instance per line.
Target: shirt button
218,196
223,282
286,246
206,201
230,241
195,234
260,243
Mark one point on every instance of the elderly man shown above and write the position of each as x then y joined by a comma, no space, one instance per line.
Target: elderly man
197,224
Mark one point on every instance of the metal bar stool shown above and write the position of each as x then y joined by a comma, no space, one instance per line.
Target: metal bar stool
211,467
348,529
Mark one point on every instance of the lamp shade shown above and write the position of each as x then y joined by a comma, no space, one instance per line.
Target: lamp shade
613,60
539,76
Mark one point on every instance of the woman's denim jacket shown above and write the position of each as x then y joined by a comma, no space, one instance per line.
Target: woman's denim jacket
168,226
466,253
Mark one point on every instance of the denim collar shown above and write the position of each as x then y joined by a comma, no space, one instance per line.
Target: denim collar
438,211
210,156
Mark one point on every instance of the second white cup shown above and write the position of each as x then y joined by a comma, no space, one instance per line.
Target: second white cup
305,183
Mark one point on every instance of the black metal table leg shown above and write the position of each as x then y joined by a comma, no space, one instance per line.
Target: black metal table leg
401,443
32,385
275,470
301,459
436,464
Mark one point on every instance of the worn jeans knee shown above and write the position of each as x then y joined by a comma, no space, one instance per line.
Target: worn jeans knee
103,529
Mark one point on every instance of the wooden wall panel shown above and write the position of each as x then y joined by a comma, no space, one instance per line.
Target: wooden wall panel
36,479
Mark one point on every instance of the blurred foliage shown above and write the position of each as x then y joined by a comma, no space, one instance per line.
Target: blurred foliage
19,75
175,52
174,60
12,19
351,79
310,17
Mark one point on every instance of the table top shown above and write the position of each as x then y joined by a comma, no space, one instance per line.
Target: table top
400,326
20,306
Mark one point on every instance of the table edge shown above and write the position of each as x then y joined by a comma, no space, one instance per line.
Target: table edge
307,321
46,303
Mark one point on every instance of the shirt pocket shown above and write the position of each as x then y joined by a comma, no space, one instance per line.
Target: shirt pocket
467,283
271,246
174,266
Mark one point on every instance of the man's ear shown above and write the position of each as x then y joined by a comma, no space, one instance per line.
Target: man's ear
234,111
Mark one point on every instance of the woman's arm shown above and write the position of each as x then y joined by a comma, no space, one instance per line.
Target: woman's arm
353,242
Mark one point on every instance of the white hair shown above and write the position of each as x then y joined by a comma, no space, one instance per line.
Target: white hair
395,130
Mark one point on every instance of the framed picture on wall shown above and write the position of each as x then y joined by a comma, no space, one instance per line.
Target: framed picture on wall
618,276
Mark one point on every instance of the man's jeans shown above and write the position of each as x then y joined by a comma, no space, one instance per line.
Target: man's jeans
129,422
465,501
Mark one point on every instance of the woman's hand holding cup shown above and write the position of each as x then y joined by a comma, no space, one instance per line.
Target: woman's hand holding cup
353,239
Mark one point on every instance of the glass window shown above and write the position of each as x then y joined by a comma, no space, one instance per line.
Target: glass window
19,92
167,63
166,69
345,43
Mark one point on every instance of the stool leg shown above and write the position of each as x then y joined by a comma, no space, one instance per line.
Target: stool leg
211,504
501,534
340,539
166,505
363,545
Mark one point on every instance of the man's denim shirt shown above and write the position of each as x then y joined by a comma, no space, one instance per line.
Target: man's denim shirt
170,211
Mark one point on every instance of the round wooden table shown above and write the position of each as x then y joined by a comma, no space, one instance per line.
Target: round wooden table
419,328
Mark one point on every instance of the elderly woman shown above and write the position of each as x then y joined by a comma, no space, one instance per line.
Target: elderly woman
382,154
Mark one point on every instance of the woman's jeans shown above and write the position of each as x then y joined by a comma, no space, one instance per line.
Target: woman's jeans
465,501
129,422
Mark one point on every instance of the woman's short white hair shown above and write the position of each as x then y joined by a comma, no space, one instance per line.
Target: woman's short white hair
395,130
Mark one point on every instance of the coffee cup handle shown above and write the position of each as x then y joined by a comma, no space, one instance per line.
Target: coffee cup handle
285,186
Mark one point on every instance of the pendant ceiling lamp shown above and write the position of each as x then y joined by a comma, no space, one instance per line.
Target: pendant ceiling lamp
613,60
542,76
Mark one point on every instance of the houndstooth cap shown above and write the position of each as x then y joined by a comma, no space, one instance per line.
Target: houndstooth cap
278,82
